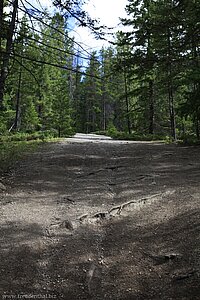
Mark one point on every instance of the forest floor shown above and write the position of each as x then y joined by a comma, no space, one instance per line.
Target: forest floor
91,218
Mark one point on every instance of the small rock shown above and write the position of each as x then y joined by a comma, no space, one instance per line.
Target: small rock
164,258
67,224
185,276
2,187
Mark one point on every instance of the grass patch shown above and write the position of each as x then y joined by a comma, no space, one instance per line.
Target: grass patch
11,152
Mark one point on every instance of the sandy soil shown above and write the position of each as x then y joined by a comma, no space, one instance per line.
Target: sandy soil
92,218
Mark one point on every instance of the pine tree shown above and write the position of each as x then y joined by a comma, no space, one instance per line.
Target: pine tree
140,56
5,54
190,81
92,95
161,46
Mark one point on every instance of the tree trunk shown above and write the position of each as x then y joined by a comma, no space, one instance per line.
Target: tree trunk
195,84
150,81
1,27
197,128
151,108
17,114
171,103
127,103
170,89
6,54
59,132
103,114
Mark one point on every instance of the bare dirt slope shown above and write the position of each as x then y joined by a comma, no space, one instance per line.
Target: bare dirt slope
91,218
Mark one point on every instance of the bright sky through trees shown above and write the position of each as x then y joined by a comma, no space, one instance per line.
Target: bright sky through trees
107,12
146,83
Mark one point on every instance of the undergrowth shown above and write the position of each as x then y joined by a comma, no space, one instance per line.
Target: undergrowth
11,152
136,137
24,136
14,146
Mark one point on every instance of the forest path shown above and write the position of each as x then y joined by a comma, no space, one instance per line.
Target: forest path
92,218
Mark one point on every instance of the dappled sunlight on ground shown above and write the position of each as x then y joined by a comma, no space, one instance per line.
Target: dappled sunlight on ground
91,218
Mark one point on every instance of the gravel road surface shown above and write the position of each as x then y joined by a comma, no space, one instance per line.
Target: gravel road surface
92,218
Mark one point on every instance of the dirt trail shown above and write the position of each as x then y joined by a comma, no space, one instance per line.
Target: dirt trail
92,218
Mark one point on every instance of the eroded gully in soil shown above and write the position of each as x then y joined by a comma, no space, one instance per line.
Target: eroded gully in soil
92,218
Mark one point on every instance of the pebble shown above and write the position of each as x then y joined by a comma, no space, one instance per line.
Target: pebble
2,187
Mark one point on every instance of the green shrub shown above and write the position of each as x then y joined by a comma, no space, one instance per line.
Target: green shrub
119,135
24,136
11,151
112,131
189,139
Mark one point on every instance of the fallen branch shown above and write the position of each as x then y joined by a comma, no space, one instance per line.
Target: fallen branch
106,215
123,205
82,218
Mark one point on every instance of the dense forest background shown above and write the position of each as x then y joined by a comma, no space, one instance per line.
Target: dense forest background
146,84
